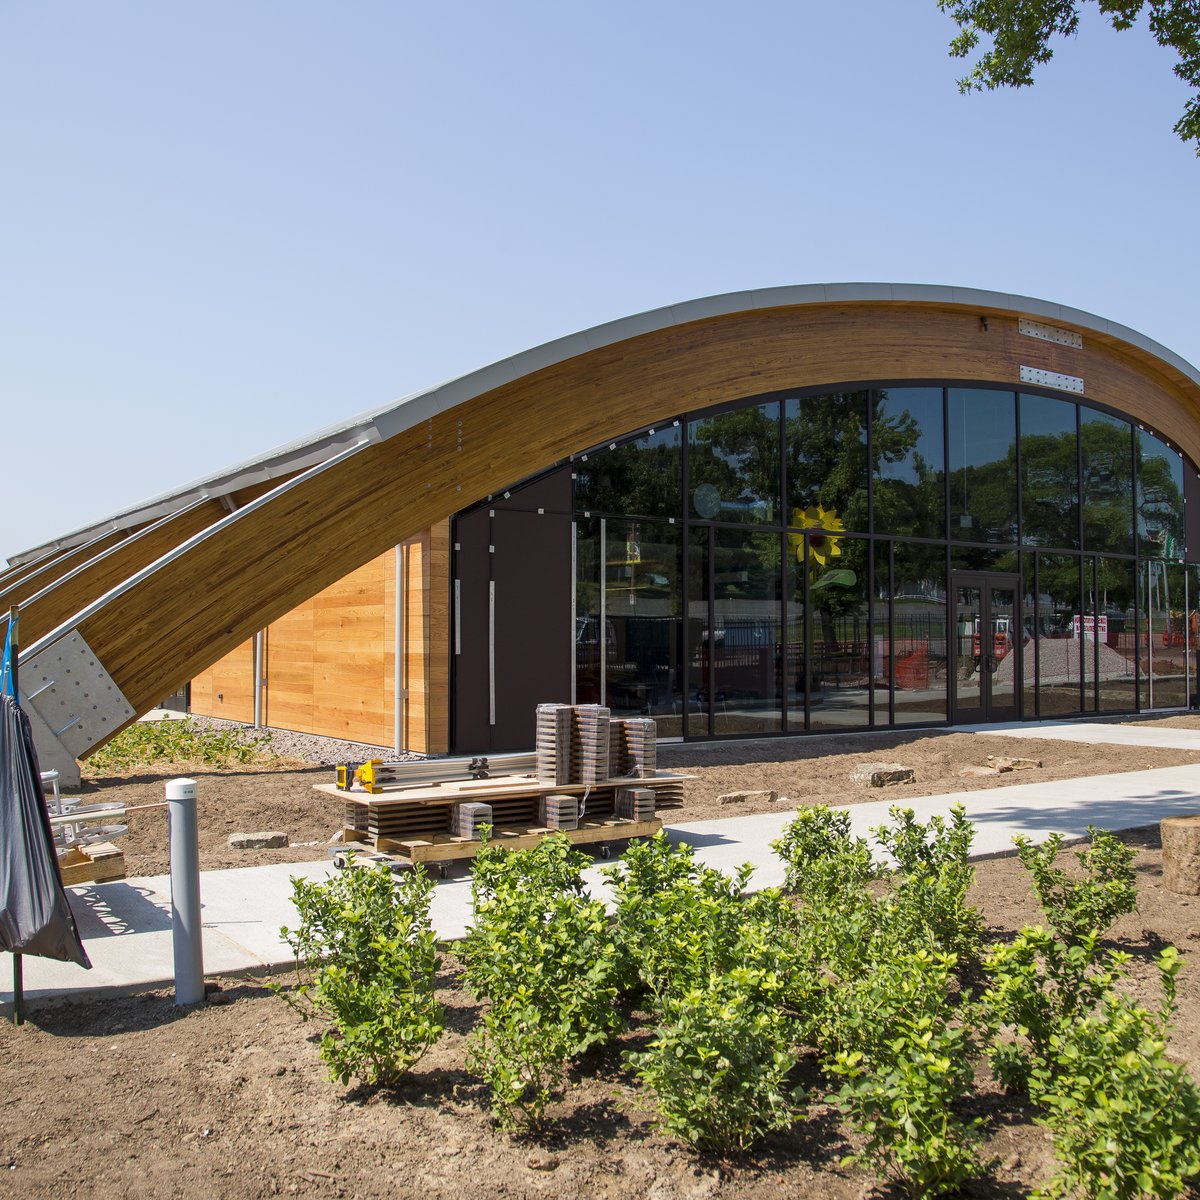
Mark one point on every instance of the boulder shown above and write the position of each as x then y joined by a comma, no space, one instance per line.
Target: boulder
257,841
881,774
767,797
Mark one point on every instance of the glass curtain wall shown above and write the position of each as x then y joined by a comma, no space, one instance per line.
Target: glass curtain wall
784,564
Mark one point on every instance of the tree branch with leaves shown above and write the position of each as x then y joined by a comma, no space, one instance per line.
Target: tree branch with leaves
1021,31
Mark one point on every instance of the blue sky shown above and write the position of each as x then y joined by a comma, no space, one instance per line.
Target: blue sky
227,225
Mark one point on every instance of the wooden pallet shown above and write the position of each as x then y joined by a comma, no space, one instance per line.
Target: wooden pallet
445,847
92,864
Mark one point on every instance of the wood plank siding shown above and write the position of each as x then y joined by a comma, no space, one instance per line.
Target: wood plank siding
326,524
329,664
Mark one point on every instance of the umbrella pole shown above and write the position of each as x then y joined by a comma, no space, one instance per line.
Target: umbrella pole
18,960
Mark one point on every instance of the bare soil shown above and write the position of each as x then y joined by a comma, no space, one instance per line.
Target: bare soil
137,1098
801,771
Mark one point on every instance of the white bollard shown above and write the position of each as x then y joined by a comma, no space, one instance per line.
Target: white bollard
184,838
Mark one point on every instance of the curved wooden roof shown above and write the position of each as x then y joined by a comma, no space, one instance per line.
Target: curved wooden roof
186,580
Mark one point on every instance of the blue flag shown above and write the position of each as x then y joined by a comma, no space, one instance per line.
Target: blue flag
6,669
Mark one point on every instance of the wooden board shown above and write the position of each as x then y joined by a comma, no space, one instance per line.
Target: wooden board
92,864
447,848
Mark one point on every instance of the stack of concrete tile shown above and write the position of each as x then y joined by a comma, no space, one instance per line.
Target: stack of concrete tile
559,812
632,748
469,816
555,725
634,804
589,745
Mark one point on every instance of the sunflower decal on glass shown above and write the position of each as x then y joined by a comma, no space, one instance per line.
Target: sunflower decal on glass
823,547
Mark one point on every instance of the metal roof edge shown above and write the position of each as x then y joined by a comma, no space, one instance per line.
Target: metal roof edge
398,415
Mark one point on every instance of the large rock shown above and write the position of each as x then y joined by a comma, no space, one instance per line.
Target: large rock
882,774
766,797
257,841
1181,854
1002,764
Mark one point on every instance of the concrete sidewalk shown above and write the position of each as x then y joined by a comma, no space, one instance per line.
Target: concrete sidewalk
126,925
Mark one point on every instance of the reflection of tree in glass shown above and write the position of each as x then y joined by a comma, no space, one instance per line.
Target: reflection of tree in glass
641,477
827,455
909,465
1107,482
737,454
1160,497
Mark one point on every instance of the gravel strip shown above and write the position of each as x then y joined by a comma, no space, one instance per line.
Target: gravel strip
311,747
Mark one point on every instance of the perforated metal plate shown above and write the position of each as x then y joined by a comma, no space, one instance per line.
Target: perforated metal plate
74,694
1050,333
1052,379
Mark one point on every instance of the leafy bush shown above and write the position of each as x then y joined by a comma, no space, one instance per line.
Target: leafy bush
679,924
928,900
1077,907
908,1060
145,743
718,1065
823,862
366,960
1124,1117
1040,986
541,954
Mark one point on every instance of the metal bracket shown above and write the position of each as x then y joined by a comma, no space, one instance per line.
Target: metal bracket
1052,379
74,694
1050,333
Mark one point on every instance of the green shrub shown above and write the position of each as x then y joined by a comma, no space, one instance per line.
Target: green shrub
145,743
1124,1117
909,1049
366,961
679,923
1076,907
542,957
717,1068
927,903
1039,987
823,862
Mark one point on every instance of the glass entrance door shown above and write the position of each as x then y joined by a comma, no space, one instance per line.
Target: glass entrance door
987,647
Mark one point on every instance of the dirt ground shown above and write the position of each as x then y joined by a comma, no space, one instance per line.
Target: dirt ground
135,1097
813,770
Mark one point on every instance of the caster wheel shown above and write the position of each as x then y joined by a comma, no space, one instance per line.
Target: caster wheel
339,862
442,873
606,851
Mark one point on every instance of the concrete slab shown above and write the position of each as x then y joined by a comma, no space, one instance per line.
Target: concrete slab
127,932
1096,733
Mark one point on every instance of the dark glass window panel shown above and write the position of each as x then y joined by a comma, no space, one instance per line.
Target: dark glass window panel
1029,639
1059,661
827,461
793,666
1159,498
1106,445
982,428
908,446
918,653
1049,473
733,464
643,622
1115,589
983,558
698,635
839,655
1163,620
746,640
588,582
640,477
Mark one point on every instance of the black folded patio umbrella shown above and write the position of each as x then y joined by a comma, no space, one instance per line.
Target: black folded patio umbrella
35,916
